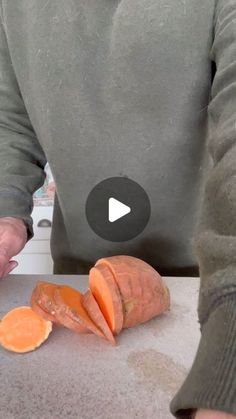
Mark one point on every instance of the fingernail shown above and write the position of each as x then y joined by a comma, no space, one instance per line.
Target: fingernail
15,264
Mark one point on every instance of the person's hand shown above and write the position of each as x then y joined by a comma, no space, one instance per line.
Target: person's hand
13,237
212,414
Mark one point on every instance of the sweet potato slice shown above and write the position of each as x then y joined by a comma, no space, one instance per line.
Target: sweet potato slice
71,312
106,293
43,295
43,301
143,291
37,309
94,312
35,302
22,330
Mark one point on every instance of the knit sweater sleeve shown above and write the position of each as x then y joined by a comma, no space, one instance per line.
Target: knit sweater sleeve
22,159
211,383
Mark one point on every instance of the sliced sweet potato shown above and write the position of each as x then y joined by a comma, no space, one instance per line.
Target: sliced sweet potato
37,309
35,302
71,312
43,294
106,293
94,312
143,291
71,324
23,330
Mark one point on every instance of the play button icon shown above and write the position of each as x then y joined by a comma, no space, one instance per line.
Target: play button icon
118,209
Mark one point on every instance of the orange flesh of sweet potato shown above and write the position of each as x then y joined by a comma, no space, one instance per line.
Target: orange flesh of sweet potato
143,292
107,295
129,287
22,330
71,312
94,312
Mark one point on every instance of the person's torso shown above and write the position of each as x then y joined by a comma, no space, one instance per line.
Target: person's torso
118,88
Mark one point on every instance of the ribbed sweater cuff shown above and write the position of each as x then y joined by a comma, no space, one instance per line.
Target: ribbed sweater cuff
12,205
211,383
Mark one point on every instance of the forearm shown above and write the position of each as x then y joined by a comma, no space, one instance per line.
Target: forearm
211,382
22,159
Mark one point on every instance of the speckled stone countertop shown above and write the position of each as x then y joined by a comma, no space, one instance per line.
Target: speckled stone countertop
83,377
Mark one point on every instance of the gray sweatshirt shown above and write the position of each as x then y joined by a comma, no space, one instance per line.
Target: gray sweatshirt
145,90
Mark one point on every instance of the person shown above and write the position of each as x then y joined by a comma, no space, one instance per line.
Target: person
144,90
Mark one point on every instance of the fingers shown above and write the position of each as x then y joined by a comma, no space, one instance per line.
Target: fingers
6,266
10,267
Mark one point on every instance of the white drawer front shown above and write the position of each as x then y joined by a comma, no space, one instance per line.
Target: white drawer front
37,246
39,214
33,264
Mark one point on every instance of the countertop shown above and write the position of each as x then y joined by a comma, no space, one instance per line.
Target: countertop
83,377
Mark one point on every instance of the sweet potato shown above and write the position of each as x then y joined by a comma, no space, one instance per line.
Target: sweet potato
43,303
23,330
71,312
124,291
94,312
106,293
143,291
42,300
35,302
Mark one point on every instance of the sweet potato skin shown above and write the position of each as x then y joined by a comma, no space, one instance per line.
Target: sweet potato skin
42,300
35,305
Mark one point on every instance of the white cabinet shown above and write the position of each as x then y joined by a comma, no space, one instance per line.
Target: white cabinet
35,258
33,264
